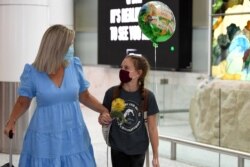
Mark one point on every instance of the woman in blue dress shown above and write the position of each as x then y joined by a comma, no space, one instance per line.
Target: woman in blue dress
57,135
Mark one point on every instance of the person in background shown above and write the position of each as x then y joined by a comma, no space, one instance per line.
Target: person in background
57,135
129,140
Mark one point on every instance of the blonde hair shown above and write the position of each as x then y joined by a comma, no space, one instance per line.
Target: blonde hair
54,45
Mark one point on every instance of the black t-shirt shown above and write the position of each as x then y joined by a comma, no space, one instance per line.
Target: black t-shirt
130,137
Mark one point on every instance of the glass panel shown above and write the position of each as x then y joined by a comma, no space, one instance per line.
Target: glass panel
164,149
197,157
203,157
226,161
247,163
204,115
182,113
235,118
222,6
174,93
213,112
230,41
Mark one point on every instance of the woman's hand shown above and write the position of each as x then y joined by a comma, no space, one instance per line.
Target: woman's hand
10,126
21,106
104,118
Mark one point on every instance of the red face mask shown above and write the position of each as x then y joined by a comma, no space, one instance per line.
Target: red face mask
124,76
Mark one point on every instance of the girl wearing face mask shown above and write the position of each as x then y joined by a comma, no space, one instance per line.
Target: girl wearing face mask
57,135
129,141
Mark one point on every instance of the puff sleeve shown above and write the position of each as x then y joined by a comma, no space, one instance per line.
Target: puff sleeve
26,86
84,84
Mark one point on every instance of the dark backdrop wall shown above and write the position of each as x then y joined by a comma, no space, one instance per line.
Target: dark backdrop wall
174,54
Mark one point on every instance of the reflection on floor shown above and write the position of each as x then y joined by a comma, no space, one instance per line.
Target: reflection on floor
177,125
101,161
169,124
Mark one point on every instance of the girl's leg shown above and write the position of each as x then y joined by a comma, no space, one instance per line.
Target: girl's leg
137,160
119,159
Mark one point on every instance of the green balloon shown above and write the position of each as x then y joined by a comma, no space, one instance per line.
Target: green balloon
156,21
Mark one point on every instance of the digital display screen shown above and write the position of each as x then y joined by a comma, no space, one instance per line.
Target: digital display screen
119,34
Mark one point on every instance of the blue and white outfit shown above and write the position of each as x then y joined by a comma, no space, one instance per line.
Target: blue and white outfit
57,135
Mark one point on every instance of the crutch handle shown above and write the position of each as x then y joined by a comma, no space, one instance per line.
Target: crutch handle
11,134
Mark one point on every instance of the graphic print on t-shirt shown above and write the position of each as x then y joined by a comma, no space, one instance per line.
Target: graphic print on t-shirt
133,116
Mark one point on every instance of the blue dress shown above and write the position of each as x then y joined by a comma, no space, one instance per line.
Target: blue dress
57,135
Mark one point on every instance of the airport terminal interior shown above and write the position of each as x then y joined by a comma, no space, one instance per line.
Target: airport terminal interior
199,73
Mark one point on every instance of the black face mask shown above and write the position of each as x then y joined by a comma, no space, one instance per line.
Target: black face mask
124,76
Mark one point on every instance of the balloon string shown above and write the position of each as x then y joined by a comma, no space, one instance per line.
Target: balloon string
155,46
155,58
155,87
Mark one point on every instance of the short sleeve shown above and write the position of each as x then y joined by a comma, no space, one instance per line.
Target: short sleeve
152,104
108,98
26,86
84,84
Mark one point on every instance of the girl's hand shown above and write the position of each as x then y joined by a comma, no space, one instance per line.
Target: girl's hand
104,118
155,162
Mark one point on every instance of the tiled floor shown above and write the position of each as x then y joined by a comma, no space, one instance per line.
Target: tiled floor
100,147
100,160
173,124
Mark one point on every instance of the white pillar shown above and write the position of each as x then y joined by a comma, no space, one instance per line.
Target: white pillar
61,12
22,25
